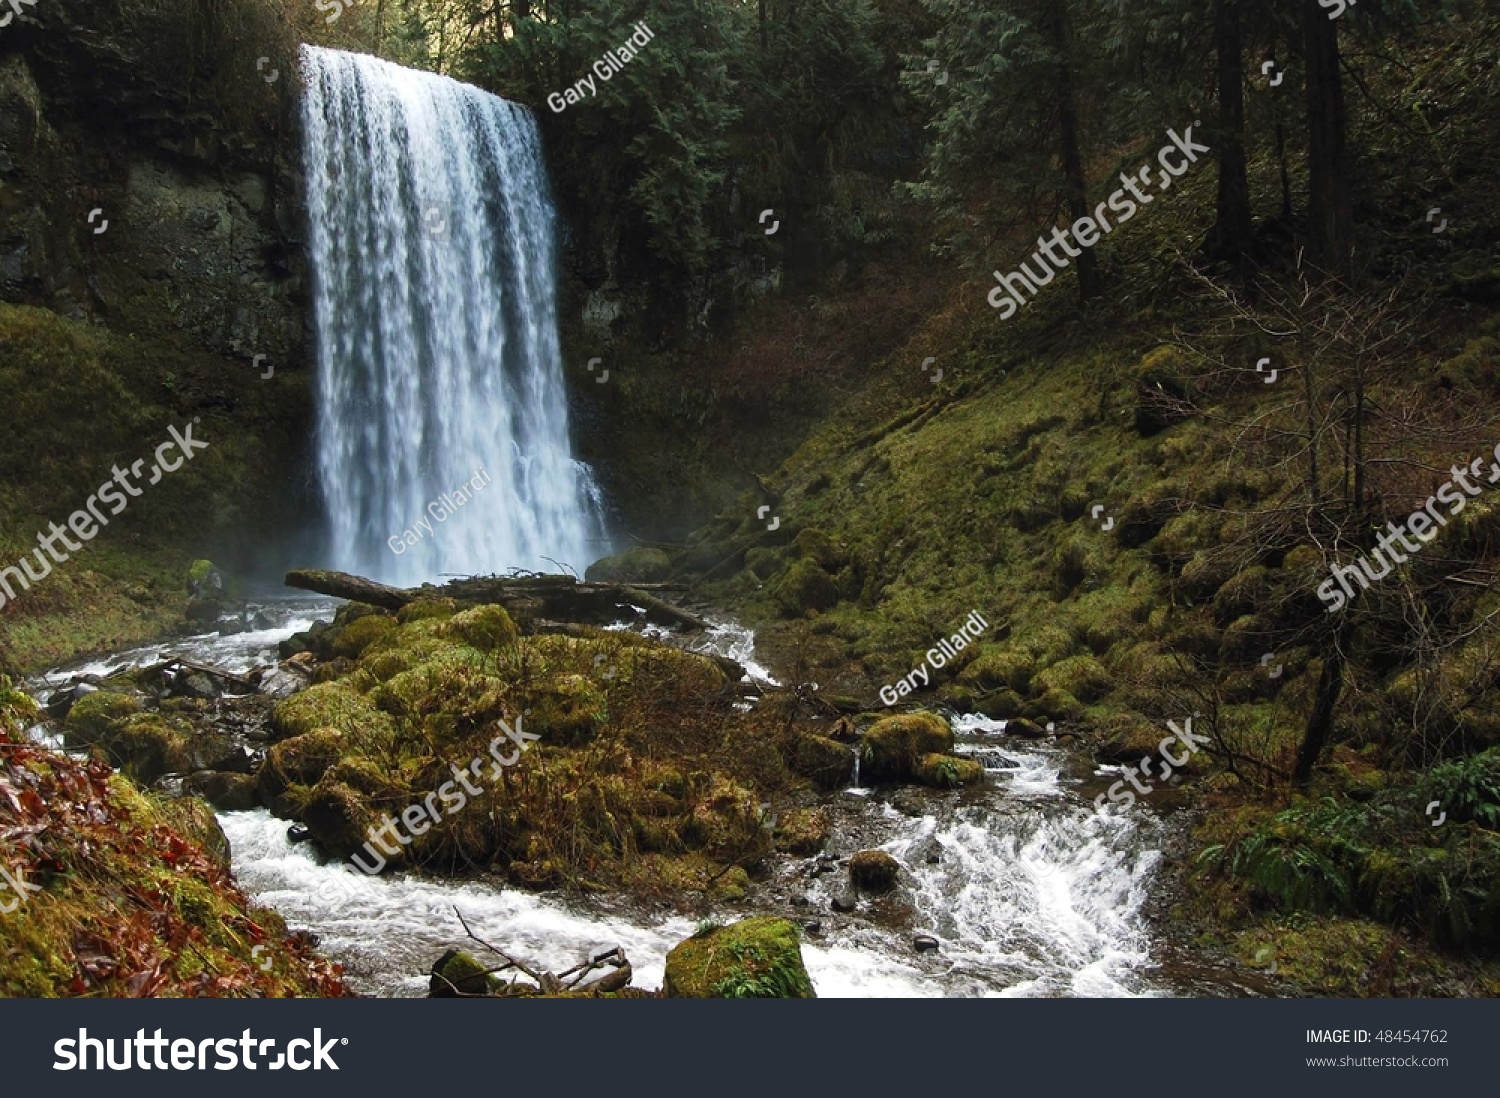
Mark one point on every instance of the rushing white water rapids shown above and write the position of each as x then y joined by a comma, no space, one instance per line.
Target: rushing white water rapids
1027,893
432,248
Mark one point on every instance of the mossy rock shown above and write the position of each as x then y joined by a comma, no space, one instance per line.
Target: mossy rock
1081,676
1126,738
999,705
1204,574
300,760
351,612
818,547
484,628
457,973
1161,388
94,716
804,589
640,564
428,610
874,871
802,831
1246,593
148,746
948,771
567,712
763,563
329,705
827,762
341,821
351,641
996,667
892,747
1054,705
758,958
226,792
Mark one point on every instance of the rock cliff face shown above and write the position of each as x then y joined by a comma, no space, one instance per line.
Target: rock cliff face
150,254
193,174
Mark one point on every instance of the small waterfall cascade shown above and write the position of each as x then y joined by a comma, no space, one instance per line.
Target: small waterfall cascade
443,442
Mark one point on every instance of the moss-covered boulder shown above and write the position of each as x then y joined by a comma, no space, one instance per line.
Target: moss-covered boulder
329,705
428,610
484,628
802,831
567,712
94,717
226,792
805,588
351,641
641,564
299,761
457,973
1083,677
893,746
828,763
874,871
758,958
948,771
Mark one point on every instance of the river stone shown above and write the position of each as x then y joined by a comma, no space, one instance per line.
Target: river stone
226,792
756,958
844,903
874,871
925,943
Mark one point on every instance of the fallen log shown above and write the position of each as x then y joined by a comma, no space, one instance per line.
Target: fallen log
560,598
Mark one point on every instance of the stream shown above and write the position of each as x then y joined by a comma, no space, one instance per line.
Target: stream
1025,889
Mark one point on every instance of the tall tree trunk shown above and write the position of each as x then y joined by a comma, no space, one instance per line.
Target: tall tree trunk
1072,154
1320,721
1329,183
1232,222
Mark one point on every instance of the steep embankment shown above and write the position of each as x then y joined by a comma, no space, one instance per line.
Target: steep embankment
115,892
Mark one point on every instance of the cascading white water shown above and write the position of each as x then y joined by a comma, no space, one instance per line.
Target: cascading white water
432,244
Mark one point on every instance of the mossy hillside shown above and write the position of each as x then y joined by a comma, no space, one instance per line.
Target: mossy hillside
136,895
126,583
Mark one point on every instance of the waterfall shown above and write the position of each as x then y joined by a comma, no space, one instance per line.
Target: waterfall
442,416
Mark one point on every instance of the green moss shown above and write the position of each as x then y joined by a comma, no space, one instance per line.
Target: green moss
893,746
997,667
335,705
428,610
757,958
641,564
95,716
827,762
484,628
805,588
351,641
1081,676
947,771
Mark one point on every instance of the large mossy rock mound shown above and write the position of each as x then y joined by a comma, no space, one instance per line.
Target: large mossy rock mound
758,958
638,565
893,747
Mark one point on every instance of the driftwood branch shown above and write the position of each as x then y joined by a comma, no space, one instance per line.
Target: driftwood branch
562,598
